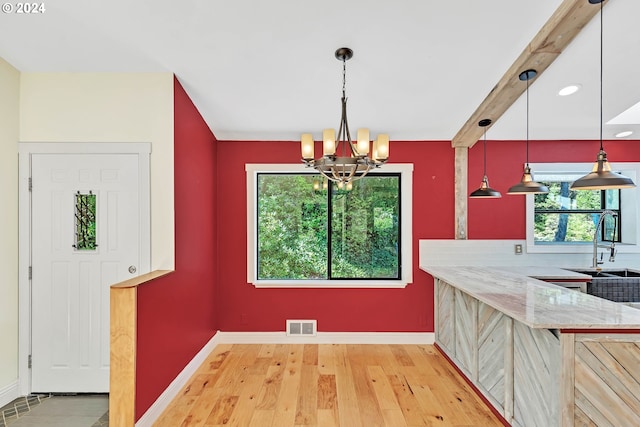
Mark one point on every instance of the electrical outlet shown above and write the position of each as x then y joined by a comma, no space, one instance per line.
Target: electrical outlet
518,249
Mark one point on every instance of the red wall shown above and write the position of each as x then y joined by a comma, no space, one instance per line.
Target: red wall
504,218
245,308
176,313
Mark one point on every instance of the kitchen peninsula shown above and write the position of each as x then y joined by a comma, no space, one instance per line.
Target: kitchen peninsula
539,353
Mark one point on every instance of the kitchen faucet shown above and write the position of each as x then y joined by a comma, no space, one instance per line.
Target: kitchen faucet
611,247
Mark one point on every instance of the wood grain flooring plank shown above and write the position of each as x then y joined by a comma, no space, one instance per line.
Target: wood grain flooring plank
177,413
310,355
198,383
270,390
327,355
307,406
328,418
247,400
267,350
217,357
285,411
327,392
401,355
221,411
262,418
347,397
382,388
407,400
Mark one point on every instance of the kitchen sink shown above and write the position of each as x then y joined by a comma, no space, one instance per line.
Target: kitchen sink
619,285
623,272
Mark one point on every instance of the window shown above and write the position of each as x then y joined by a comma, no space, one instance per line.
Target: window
302,233
564,221
571,216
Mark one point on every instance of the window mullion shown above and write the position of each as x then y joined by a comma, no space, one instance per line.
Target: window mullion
329,228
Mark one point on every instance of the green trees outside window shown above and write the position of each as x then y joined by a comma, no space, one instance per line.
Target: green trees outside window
328,233
569,216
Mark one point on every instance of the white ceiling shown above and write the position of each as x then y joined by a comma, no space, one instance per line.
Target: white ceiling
265,70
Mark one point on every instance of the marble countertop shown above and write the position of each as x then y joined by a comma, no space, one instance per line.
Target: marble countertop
535,303
548,273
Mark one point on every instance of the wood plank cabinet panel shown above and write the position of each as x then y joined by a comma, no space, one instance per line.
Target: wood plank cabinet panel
465,332
536,354
445,317
607,382
492,353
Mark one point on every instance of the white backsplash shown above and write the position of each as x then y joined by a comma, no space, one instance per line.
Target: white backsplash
498,253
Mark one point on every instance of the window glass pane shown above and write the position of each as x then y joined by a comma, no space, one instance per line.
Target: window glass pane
565,227
560,197
85,222
609,229
365,229
612,199
292,235
295,241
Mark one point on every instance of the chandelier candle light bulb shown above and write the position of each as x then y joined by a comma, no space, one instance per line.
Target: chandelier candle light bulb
363,142
307,146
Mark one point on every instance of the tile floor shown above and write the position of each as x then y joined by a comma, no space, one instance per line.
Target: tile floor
59,411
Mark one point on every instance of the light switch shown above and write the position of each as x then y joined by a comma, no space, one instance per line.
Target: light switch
518,249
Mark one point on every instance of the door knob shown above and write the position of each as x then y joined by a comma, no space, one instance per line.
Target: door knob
132,269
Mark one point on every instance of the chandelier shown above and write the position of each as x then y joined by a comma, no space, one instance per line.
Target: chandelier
343,160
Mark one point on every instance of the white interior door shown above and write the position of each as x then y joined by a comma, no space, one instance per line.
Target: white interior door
70,284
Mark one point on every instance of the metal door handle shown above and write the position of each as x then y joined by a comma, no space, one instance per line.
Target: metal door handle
132,269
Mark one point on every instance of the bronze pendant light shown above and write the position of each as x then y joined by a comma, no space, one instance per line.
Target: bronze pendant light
485,191
527,184
601,177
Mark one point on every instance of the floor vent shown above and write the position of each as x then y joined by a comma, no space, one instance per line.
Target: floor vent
301,328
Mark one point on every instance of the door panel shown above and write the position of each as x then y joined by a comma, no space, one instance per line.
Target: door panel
70,287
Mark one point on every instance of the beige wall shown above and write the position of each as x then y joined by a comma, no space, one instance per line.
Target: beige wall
110,107
9,120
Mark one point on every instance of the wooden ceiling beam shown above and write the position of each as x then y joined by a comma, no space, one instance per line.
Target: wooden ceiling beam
556,34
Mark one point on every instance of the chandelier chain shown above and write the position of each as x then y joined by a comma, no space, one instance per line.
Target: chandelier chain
527,121
344,77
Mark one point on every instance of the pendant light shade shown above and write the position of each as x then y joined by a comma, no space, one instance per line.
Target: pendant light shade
485,191
527,184
601,177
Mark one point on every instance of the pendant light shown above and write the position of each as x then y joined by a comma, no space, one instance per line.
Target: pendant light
527,185
485,191
601,177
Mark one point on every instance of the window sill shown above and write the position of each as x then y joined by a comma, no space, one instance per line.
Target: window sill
331,284
578,248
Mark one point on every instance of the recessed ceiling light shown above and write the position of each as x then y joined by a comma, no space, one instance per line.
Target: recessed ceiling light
623,134
569,90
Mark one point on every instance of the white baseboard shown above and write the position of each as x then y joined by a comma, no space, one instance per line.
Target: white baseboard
327,338
9,393
161,403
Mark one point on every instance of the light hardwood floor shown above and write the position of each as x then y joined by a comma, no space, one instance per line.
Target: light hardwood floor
346,385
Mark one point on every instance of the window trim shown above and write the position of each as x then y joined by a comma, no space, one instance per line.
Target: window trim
406,231
629,205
